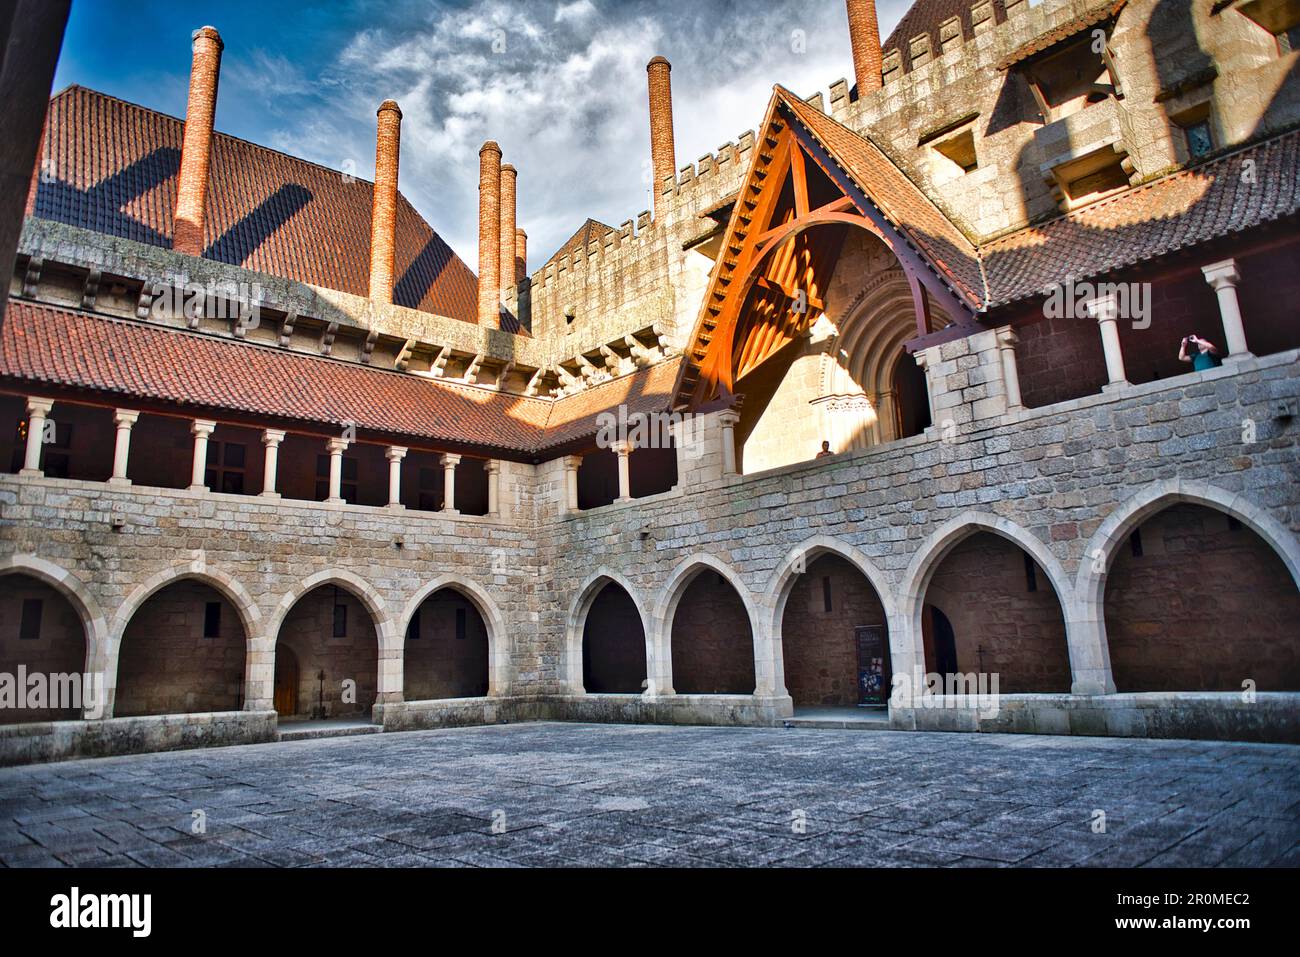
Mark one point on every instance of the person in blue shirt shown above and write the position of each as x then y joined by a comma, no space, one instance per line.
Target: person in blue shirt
1201,353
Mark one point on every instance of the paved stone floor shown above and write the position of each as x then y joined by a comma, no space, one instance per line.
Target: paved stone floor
575,795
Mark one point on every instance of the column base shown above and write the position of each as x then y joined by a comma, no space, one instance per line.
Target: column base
395,507
449,512
120,482
1116,386
31,473
336,501
1239,357
271,496
197,488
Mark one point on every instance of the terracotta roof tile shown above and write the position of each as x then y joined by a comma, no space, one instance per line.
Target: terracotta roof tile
110,166
45,345
1183,209
589,232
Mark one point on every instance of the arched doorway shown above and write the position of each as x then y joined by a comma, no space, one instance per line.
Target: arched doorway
42,634
912,415
331,635
712,640
181,653
446,650
613,644
1197,601
834,639
1003,615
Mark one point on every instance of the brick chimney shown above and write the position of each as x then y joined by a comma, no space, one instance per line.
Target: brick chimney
521,255
196,147
864,35
383,213
509,181
663,156
489,235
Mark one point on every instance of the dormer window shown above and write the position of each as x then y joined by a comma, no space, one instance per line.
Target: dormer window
1070,68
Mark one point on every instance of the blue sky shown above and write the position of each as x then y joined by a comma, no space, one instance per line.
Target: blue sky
559,83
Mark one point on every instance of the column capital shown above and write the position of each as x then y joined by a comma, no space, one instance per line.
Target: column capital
337,446
449,461
203,427
621,448
493,467
272,437
125,418
1103,309
39,407
1006,337
728,418
1222,274
395,453
572,463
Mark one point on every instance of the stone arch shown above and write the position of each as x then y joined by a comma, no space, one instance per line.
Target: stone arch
250,616
1090,582
200,573
783,581
1203,652
388,639
575,627
681,578
930,556
94,624
499,646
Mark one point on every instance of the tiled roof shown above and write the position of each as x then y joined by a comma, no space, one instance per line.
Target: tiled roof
925,16
902,201
1180,210
589,232
111,166
43,345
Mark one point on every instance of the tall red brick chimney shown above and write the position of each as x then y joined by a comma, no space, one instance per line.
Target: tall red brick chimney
383,213
521,255
489,235
663,155
509,181
196,147
864,35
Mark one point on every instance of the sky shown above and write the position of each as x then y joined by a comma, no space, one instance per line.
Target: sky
560,84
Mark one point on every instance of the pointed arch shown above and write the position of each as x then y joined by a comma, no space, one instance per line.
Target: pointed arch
499,645
576,621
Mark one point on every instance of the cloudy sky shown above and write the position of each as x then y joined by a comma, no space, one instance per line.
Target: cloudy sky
560,85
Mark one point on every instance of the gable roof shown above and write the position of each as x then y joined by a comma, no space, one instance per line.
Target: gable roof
194,373
111,166
908,209
589,232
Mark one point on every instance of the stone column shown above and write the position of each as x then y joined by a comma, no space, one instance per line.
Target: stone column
494,487
271,440
727,421
449,463
124,419
1223,278
571,464
623,450
1007,340
395,454
336,448
1107,315
201,429
38,410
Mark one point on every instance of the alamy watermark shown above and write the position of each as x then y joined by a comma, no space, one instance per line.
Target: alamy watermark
964,691
60,691
1130,301
241,302
651,430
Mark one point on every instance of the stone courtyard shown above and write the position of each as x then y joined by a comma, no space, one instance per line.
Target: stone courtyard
606,795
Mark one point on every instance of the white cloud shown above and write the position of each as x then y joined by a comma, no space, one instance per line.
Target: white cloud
578,10
567,103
